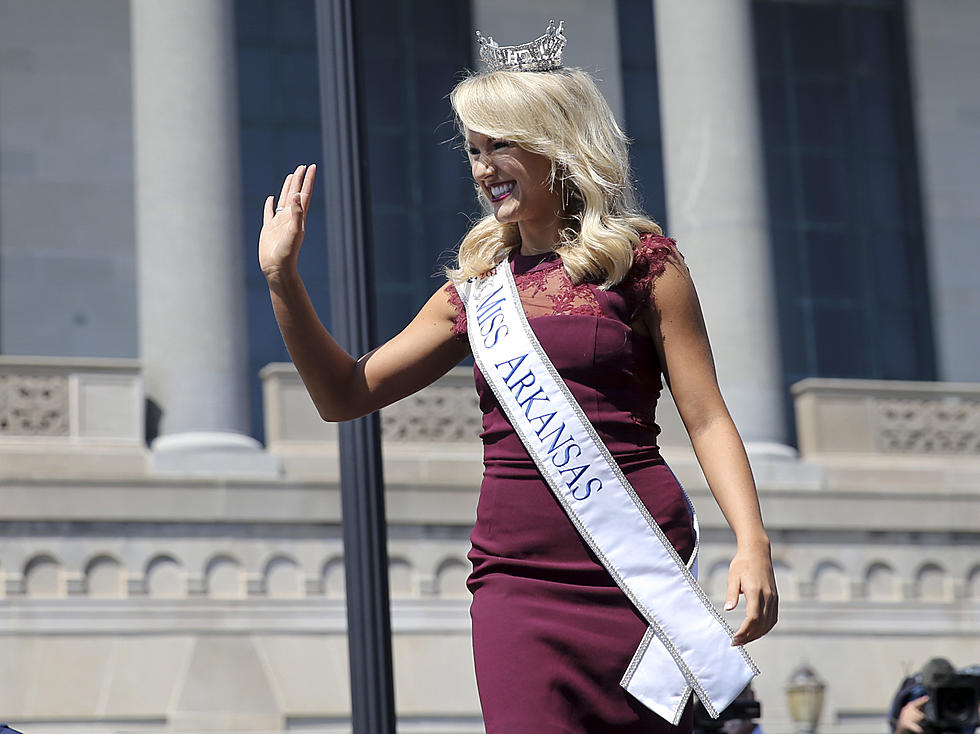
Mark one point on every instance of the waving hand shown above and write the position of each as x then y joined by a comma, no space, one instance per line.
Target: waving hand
284,224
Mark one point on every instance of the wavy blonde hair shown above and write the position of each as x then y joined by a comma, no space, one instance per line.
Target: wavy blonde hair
562,115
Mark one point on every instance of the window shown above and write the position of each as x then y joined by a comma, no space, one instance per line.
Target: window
843,189
419,186
641,103
420,191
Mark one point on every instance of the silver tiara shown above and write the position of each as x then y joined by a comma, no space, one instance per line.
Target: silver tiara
541,54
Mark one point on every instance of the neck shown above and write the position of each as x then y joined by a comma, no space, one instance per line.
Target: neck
538,238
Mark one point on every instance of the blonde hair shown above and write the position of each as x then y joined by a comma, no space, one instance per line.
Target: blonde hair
562,115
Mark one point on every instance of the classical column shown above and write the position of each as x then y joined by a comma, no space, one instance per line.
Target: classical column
188,213
716,204
942,40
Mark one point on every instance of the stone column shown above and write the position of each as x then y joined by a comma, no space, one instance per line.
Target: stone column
188,213
716,204
942,42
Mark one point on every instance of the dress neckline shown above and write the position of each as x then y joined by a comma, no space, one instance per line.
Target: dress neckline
525,263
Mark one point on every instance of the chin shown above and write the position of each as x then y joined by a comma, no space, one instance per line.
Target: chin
503,215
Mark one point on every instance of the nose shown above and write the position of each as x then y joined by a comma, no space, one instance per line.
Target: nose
482,166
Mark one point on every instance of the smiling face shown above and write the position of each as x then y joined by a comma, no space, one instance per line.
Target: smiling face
514,180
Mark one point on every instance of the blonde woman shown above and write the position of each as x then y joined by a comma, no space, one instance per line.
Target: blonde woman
614,308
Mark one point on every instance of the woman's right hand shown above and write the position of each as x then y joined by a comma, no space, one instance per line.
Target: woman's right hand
284,224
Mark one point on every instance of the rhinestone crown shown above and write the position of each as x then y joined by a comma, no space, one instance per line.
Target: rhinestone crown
541,54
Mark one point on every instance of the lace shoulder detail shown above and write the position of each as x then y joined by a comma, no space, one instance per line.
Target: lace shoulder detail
546,290
649,260
459,324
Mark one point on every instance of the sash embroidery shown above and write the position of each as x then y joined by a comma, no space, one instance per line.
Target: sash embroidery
688,644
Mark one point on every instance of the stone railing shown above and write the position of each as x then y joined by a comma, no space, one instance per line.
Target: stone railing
887,417
431,436
447,411
77,414
901,570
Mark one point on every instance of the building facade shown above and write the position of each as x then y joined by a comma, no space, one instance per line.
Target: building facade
170,539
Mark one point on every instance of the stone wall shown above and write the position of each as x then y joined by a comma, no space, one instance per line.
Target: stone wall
132,601
67,258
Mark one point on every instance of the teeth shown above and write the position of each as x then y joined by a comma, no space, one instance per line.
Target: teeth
498,190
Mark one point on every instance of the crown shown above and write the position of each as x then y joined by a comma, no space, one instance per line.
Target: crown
541,54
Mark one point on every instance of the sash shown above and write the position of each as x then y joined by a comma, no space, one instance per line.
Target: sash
688,645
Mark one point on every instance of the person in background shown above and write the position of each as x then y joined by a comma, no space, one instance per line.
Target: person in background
909,714
743,726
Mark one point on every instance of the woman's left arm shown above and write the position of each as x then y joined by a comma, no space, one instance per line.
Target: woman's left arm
676,326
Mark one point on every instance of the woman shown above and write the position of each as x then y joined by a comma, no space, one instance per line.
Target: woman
613,305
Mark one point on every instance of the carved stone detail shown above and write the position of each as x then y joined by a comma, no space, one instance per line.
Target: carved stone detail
865,579
448,413
33,405
928,426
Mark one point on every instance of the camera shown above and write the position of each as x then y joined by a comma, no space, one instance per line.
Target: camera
953,697
952,705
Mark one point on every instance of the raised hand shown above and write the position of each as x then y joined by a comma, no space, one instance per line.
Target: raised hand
284,224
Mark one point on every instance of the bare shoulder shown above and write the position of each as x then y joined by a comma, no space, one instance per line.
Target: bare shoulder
443,317
447,300
673,316
673,285
661,283
674,310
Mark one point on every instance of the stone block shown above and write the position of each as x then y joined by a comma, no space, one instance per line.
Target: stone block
895,418
288,410
434,673
67,675
71,417
310,673
226,686
146,671
108,407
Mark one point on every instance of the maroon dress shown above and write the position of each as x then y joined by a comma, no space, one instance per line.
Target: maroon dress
552,633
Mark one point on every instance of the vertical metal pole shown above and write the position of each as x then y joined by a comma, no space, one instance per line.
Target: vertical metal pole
352,311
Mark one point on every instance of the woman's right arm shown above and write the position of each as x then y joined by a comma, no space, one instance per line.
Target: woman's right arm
341,386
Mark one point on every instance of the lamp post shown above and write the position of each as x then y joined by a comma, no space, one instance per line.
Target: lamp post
804,692
362,483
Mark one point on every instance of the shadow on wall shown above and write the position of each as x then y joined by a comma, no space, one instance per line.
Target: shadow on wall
154,416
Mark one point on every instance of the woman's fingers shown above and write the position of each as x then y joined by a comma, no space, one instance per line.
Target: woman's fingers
760,617
299,181
751,574
307,189
284,192
734,587
297,210
300,192
295,183
282,236
748,630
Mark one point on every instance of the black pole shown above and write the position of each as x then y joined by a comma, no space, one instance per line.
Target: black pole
352,315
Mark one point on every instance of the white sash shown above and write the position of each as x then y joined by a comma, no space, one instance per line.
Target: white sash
688,645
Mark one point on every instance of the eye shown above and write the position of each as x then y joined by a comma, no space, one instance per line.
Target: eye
472,151
501,144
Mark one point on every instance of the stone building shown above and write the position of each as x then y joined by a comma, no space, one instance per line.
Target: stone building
170,543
